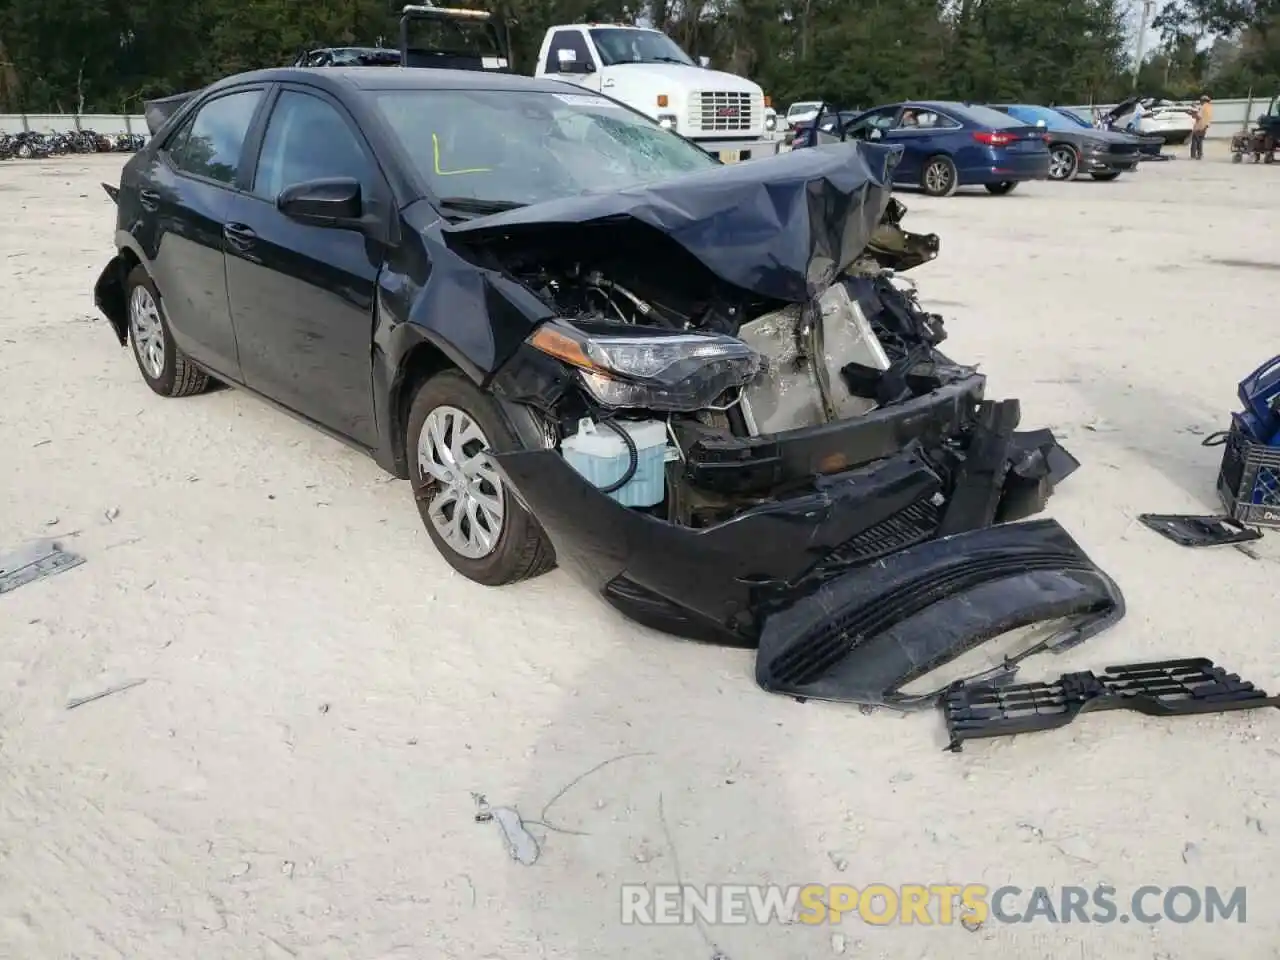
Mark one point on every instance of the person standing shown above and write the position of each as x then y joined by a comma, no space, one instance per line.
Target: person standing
1203,117
1135,121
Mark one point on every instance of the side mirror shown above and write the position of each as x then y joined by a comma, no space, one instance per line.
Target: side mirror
704,61
335,202
875,133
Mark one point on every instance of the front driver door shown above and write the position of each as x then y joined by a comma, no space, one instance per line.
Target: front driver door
302,296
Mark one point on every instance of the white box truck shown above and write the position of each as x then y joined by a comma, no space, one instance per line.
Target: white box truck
726,115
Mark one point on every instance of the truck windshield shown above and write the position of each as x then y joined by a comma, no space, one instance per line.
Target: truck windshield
517,147
629,45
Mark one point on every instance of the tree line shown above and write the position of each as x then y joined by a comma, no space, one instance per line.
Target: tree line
107,56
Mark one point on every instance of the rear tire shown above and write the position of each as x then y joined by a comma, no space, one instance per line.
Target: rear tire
1002,188
166,369
517,549
939,177
1106,177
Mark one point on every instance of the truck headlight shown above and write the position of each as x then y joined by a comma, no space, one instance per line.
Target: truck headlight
668,372
668,121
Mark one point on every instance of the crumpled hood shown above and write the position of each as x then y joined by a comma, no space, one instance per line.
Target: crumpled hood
781,227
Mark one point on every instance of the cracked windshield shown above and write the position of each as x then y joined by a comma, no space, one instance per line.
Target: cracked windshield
506,147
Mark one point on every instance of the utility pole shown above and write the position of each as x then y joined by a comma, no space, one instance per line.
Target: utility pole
1142,39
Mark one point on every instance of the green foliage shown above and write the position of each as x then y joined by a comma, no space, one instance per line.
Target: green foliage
109,55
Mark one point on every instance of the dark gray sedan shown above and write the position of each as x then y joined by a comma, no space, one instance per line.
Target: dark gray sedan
1076,150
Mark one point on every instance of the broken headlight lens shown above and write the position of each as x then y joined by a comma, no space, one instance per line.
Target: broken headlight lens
671,372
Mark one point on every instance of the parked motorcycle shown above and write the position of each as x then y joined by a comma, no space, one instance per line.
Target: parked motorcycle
30,146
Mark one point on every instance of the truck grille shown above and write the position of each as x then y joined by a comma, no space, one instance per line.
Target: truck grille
723,112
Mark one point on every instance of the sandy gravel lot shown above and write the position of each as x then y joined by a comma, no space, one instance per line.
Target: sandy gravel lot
324,696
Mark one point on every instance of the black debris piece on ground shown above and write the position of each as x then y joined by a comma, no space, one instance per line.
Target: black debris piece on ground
1167,688
34,561
117,688
1198,531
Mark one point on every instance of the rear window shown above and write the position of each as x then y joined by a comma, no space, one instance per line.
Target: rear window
990,118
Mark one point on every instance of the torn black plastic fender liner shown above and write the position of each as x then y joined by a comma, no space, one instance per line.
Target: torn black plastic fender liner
1199,531
862,637
1166,688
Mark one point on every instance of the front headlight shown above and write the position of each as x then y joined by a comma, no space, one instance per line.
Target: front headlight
667,372
668,121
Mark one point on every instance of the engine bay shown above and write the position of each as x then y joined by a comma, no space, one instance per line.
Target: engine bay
856,351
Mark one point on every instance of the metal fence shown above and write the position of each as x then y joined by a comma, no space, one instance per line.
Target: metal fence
1228,117
68,122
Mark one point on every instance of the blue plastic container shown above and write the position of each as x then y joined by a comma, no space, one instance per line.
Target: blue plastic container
599,454
1260,392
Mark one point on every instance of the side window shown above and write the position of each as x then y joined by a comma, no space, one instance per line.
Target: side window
570,40
879,120
213,142
307,139
941,122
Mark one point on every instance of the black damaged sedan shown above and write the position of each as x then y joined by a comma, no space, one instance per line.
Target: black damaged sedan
583,341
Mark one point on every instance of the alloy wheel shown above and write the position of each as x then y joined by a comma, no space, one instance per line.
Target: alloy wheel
466,508
147,332
1062,163
937,178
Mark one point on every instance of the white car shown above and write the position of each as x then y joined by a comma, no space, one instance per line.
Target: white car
1172,122
802,112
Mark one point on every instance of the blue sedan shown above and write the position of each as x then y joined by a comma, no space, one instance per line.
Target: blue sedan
951,145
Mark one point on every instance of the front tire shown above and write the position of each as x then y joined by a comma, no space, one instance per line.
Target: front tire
1064,163
1002,188
1106,177
166,369
939,177
475,521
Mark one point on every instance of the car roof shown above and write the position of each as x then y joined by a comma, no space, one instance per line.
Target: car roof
401,78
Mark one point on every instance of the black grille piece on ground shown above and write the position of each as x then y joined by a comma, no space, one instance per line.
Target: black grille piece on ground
865,634
1167,688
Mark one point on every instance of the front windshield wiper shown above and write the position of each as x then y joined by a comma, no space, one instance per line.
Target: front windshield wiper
476,205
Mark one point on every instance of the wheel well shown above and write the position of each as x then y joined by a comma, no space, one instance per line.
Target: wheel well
112,297
421,364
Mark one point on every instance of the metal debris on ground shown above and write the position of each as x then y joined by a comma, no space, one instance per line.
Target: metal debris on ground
34,561
521,846
118,688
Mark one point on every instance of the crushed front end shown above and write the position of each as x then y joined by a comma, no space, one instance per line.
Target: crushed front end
745,428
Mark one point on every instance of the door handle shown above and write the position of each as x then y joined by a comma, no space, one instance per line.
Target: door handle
239,236
149,199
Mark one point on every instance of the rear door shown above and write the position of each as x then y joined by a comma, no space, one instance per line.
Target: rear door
303,296
186,193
